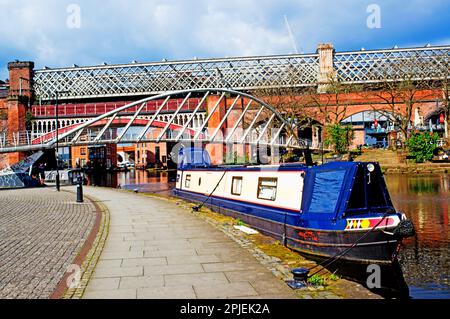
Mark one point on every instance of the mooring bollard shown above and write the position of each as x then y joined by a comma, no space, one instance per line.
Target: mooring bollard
300,278
79,189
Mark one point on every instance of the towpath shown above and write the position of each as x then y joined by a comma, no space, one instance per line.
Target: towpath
156,249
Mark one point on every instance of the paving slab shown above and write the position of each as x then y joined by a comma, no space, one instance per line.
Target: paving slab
229,290
141,282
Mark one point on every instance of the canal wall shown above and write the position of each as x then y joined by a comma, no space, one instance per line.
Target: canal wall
397,162
414,168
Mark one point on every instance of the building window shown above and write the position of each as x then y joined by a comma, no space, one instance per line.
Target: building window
187,181
236,185
83,151
267,188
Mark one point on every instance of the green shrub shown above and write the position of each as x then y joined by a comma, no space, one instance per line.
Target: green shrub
317,280
421,146
339,137
334,277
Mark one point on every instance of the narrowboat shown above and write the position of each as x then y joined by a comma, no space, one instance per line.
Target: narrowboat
334,209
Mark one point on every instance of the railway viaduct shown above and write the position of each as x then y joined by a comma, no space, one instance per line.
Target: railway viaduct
324,87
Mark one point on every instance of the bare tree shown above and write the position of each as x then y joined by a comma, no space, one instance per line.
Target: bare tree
332,106
289,101
400,97
443,84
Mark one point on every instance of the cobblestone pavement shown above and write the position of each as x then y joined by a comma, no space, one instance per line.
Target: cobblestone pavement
156,249
41,232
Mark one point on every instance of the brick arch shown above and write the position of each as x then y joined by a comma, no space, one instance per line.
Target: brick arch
371,109
430,109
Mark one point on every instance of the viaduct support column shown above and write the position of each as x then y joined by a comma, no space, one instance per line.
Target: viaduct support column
327,74
19,98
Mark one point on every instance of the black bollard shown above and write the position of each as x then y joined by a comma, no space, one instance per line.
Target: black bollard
79,189
58,183
300,278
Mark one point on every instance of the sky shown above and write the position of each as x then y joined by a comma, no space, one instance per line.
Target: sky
59,33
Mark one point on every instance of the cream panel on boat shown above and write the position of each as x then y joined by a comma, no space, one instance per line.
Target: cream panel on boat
274,188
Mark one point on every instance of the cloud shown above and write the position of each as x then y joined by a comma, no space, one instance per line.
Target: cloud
119,31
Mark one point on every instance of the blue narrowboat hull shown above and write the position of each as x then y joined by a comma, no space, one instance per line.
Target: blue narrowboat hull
379,246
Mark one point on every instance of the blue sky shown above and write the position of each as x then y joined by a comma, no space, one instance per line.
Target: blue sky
119,31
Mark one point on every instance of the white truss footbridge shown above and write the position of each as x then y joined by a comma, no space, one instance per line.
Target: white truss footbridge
250,121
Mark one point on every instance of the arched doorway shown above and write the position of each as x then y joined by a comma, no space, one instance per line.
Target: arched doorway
371,128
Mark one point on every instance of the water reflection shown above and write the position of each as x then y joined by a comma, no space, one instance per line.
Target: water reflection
425,259
140,180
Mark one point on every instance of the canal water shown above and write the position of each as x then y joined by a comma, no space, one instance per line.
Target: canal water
424,259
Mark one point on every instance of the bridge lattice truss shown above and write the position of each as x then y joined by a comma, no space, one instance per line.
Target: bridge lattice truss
250,121
299,70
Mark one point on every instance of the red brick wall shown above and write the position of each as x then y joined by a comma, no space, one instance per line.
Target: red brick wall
80,155
147,153
3,126
358,137
3,115
355,102
18,70
216,151
13,109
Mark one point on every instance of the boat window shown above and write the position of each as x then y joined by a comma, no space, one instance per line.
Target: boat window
187,181
326,191
199,181
178,178
267,188
236,185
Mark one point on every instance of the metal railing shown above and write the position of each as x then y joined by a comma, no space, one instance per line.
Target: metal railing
381,65
158,77
92,109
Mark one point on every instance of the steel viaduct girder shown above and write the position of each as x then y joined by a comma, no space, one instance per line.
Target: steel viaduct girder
244,73
252,135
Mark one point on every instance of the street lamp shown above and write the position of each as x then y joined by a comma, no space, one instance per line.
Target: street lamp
57,138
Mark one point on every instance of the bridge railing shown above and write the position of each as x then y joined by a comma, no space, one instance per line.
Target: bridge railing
92,109
17,139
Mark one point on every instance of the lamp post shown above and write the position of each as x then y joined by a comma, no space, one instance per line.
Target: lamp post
57,139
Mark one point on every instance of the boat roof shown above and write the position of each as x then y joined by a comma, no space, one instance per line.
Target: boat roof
279,167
